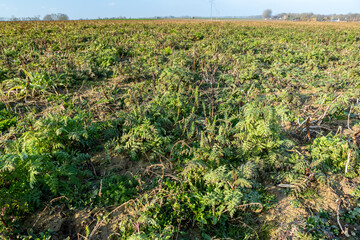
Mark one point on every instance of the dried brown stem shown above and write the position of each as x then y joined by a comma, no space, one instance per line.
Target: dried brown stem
308,129
344,231
2,218
53,200
348,121
326,111
348,161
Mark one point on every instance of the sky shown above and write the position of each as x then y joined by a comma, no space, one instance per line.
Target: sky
77,9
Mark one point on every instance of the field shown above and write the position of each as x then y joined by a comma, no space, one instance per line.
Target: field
179,130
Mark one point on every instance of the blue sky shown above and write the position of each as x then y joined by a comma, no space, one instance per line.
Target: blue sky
148,8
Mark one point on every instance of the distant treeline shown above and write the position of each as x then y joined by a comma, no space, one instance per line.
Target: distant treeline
47,17
35,18
351,17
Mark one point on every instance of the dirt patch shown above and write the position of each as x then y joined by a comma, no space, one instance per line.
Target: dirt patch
54,219
63,222
118,163
290,214
284,213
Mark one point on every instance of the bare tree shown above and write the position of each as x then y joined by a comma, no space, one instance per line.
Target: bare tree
13,18
48,17
56,17
267,13
62,17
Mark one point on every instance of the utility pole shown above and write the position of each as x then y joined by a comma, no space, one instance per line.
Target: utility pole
211,9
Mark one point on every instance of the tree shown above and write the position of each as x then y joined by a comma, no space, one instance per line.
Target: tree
62,17
48,17
56,17
13,18
267,13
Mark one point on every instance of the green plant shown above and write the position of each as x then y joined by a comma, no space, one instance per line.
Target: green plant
353,216
141,138
330,153
321,227
46,162
7,119
115,190
34,83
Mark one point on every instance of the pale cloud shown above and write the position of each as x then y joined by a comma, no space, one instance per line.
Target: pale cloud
111,4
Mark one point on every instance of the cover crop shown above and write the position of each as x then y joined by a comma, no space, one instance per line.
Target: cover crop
179,129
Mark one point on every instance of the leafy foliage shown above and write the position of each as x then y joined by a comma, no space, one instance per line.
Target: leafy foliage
47,157
7,119
330,153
